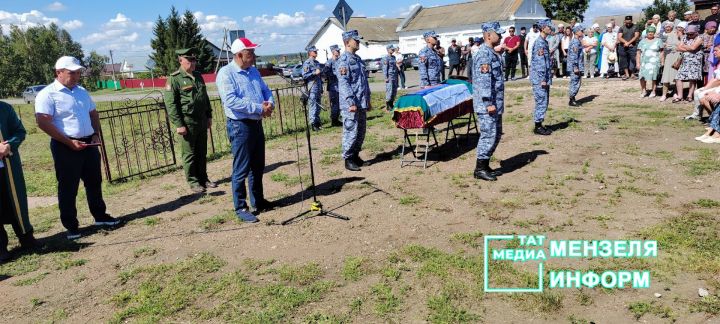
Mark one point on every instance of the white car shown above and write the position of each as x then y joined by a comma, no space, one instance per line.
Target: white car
30,92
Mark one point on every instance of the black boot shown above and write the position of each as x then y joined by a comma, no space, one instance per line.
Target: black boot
482,170
573,102
358,161
28,241
351,165
541,130
336,123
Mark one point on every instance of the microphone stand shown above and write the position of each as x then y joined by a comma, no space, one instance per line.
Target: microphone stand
316,206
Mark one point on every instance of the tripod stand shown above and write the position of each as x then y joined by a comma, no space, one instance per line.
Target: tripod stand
316,206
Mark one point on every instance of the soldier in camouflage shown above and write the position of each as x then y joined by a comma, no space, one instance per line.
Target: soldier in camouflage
390,72
541,76
575,64
430,62
332,85
313,79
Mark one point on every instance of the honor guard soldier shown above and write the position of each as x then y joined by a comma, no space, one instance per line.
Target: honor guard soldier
313,80
575,64
332,85
541,76
488,99
390,72
430,61
354,100
188,107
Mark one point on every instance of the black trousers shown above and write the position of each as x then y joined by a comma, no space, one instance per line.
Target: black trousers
524,63
71,167
627,58
456,68
511,61
7,215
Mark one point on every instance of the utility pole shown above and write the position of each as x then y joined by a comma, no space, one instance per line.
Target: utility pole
112,64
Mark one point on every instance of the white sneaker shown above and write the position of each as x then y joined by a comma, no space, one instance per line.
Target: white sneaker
692,117
663,98
643,95
652,95
711,140
701,138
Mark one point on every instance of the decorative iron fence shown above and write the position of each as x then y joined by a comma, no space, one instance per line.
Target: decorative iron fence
138,138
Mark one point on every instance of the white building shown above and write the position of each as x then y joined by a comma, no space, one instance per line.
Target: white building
463,20
377,33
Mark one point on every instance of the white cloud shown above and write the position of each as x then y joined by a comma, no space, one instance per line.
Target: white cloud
72,24
406,11
123,22
56,6
25,20
319,7
282,20
635,5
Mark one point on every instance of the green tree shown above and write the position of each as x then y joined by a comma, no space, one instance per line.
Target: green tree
662,7
565,10
27,57
94,64
176,32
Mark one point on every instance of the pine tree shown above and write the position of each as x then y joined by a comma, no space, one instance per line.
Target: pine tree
565,10
158,45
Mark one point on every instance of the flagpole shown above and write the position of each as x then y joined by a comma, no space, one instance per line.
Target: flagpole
13,190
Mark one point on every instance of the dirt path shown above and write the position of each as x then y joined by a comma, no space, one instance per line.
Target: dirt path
614,168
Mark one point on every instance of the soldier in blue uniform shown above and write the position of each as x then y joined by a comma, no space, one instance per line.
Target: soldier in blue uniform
430,62
332,85
390,72
541,76
354,100
313,80
575,64
488,99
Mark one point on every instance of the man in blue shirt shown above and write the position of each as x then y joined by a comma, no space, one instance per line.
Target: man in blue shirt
246,101
65,111
354,100
312,74
488,99
430,62
332,85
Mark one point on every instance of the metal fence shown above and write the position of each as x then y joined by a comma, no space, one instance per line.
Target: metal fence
139,140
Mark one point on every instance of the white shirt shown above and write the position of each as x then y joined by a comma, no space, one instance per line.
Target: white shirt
531,38
398,57
70,109
474,49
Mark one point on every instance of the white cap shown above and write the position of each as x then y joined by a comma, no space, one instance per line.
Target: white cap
561,25
688,12
682,25
595,25
609,25
242,44
68,63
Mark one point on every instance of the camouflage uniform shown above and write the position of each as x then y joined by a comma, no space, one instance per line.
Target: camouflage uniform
390,72
332,86
354,91
430,64
575,62
541,71
313,81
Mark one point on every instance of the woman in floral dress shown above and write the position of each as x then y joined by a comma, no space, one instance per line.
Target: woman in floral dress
649,56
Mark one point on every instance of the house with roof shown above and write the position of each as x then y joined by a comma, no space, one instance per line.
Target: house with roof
377,33
463,20
619,20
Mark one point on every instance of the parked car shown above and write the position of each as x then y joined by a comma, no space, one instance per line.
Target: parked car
288,70
297,72
372,65
408,60
30,92
415,62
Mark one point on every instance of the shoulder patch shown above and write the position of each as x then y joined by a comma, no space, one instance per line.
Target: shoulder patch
541,52
485,68
343,70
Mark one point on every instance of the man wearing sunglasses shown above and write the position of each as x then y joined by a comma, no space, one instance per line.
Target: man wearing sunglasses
188,107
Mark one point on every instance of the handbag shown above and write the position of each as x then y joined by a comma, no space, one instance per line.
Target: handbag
677,63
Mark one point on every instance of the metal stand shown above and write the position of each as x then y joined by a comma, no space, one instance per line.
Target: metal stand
426,146
316,206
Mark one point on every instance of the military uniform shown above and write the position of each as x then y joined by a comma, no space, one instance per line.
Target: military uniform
313,80
390,72
541,71
430,64
354,91
488,90
575,66
332,87
188,105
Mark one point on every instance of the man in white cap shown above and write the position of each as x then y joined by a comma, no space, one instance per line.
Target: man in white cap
65,111
246,101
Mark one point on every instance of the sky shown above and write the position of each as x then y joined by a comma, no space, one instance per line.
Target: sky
125,26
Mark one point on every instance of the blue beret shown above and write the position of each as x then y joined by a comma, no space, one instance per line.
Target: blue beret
351,34
334,48
544,22
493,26
429,34
478,40
311,49
578,28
